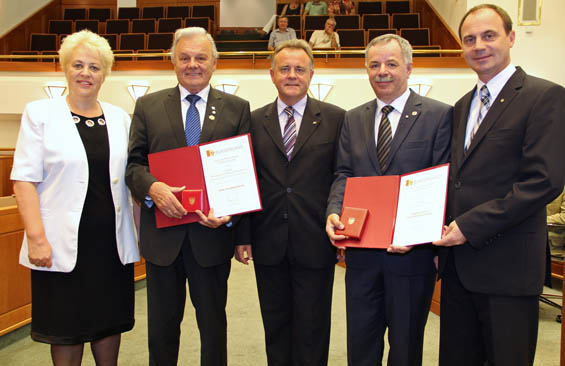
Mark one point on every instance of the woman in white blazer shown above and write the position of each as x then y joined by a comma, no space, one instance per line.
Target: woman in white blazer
80,240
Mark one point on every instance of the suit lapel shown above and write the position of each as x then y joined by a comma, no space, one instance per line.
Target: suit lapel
174,114
458,144
498,106
368,121
214,107
408,117
310,121
272,126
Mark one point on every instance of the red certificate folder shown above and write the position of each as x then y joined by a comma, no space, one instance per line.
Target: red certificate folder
380,196
177,168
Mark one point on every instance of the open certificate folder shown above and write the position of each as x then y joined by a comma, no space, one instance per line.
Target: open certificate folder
404,210
223,171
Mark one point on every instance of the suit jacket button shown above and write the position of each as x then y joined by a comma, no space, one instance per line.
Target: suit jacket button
457,185
289,190
285,216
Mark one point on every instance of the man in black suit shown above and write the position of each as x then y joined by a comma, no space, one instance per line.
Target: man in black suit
397,133
197,252
507,144
295,142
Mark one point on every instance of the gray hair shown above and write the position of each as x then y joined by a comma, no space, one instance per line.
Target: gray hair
405,46
189,33
295,44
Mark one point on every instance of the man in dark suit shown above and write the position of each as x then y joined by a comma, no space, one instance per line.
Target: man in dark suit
397,133
507,144
295,143
197,252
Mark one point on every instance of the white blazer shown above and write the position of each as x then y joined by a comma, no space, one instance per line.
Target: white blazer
50,152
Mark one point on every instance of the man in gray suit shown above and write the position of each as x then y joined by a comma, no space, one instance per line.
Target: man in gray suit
397,133
187,114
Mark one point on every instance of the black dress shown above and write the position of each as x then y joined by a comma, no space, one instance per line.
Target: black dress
95,299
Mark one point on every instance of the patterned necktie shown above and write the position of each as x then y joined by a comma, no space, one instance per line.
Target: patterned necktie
484,94
289,134
192,123
385,137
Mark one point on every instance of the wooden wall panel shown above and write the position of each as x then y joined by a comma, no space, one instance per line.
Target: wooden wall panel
6,162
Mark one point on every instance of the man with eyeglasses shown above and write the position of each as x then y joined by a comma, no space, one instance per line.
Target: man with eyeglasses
295,144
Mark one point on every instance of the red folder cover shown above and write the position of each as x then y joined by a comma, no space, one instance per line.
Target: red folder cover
380,196
168,167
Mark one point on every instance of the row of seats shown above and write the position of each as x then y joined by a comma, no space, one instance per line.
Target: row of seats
118,26
356,38
373,7
148,12
366,21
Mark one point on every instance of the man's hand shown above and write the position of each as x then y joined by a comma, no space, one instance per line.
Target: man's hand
39,252
240,251
163,196
212,221
398,249
333,223
451,236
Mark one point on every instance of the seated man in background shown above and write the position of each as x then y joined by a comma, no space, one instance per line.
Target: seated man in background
556,216
327,38
316,7
281,34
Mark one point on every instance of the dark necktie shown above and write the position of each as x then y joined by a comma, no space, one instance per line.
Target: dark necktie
385,137
289,134
484,95
192,123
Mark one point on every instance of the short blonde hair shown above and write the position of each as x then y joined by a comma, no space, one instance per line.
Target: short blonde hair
93,42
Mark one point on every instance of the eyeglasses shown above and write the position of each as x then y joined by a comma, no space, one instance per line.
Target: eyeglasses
298,70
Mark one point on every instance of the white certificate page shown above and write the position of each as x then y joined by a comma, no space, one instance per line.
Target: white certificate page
421,206
229,172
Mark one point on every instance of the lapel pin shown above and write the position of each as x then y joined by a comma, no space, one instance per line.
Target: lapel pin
213,111
501,100
213,107
414,113
315,122
212,117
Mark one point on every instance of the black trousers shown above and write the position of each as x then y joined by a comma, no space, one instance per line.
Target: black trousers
296,309
166,296
481,329
377,299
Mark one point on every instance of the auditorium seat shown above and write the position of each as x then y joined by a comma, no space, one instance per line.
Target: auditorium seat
112,40
159,41
123,58
430,54
347,22
352,38
169,25
294,23
128,13
60,26
153,12
43,42
91,25
392,7
374,33
143,26
416,36
203,22
100,14
132,41
50,53
411,20
369,7
203,11
280,7
151,58
74,14
248,45
117,26
315,21
376,21
24,53
178,11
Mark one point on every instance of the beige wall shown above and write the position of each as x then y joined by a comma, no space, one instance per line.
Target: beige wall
13,12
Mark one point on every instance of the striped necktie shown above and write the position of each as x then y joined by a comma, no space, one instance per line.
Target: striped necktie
192,123
289,134
385,137
484,95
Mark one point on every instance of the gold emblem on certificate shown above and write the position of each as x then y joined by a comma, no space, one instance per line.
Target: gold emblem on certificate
351,221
